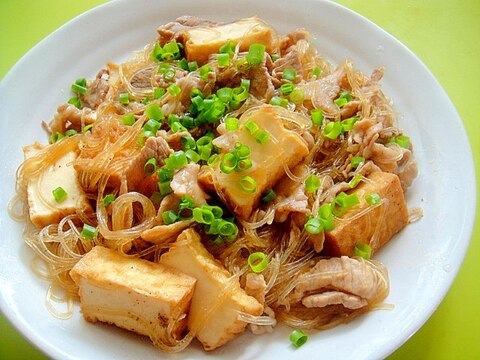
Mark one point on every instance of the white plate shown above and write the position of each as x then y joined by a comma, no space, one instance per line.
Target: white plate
423,260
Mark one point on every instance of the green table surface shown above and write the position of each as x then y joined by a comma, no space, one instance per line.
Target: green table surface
443,33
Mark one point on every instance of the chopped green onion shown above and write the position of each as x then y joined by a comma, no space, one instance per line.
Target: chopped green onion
278,101
245,83
363,250
154,112
164,187
227,228
192,155
248,184
326,217
317,117
343,201
231,123
298,338
158,92
169,75
203,215
128,119
316,72
75,101
59,194
70,132
269,196
312,183
243,164
213,159
289,74
186,202
203,71
151,127
174,90
88,232
188,121
165,174
343,99
355,181
257,261
146,100
107,200
251,126
223,60
313,226
87,128
255,54
297,96
169,217
150,166
228,163
80,86
124,98
373,199
347,124
332,130
176,126
241,151
240,93
192,66
225,94
286,89
402,140
357,161
262,137
55,137
227,48
176,160
274,57
183,64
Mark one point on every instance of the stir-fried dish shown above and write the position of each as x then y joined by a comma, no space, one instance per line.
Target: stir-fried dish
224,177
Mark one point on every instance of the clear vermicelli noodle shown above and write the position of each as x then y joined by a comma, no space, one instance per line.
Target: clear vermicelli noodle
224,176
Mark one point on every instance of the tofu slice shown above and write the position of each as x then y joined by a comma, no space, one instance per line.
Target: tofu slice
43,208
285,148
202,41
390,217
131,293
218,298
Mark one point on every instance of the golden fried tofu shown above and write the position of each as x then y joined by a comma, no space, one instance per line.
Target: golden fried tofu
131,293
200,42
283,148
43,209
375,227
218,297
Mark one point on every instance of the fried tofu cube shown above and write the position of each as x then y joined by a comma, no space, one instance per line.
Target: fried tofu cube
282,148
43,209
375,227
132,293
200,42
218,297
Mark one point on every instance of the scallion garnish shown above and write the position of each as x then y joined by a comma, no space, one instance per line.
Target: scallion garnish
248,184
150,166
227,48
286,89
223,60
313,226
257,261
154,112
158,92
373,199
312,183
355,181
343,99
124,98
169,217
59,194
231,123
108,199
363,250
75,101
278,101
343,201
357,161
174,90
269,196
289,74
80,86
88,232
262,137
255,54
317,117
297,96
332,130
298,337
128,119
